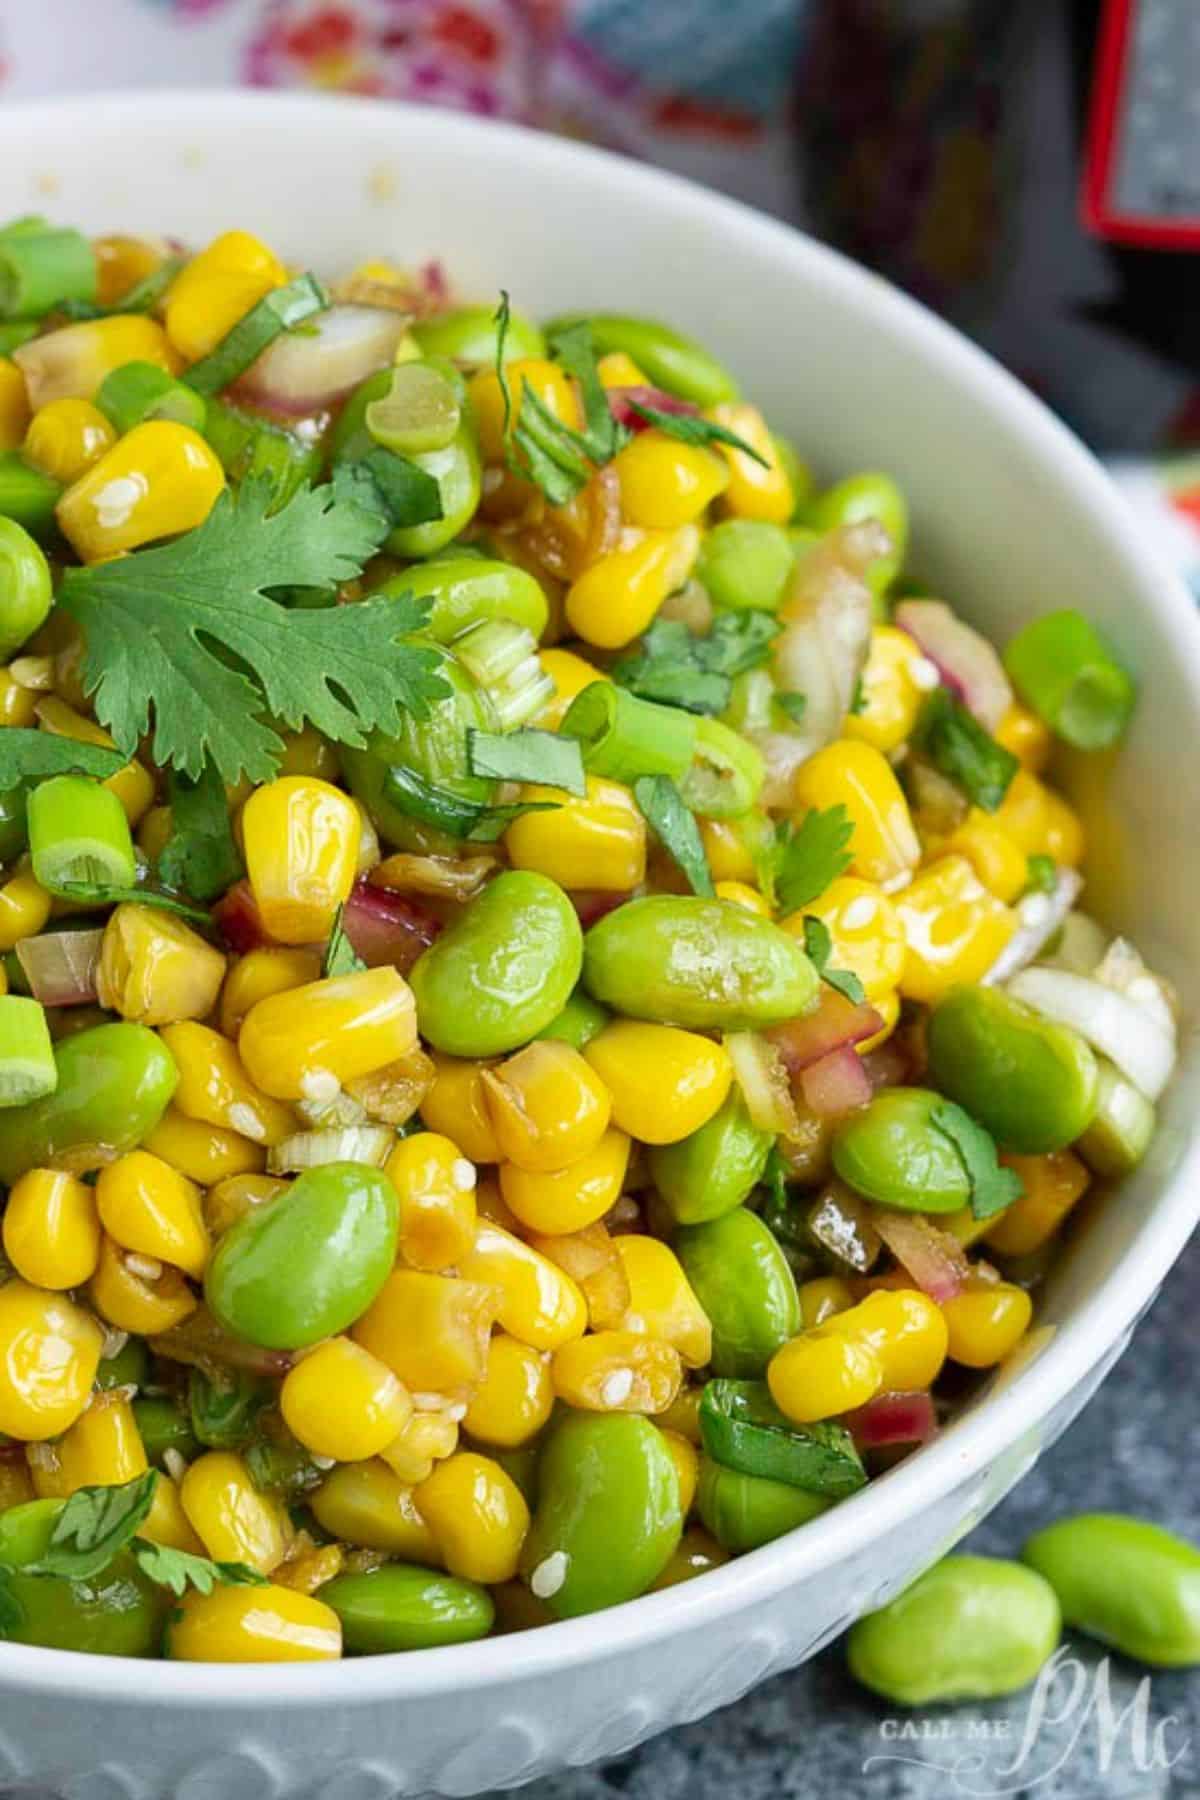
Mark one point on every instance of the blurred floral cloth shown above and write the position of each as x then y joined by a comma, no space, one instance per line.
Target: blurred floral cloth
937,140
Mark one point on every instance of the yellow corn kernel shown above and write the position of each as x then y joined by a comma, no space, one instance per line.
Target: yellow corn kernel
24,909
1052,1186
455,1107
891,694
1039,821
216,1088
16,1486
617,369
547,1105
548,382
725,847
865,932
823,1373
617,595
18,704
617,1371
999,862
953,927
430,1330
985,1322
570,675
590,1258
260,973
365,1503
166,1522
233,1520
742,895
687,1467
436,1185
301,838
683,1415
121,262
253,1625
343,1027
49,1352
885,846
160,479
307,1570
428,1438
14,405
821,1298
50,1229
155,969
598,841
665,483
103,1448
217,288
662,1303
754,491
341,1401
66,437
147,1206
204,1153
478,1515
515,1398
567,1200
70,363
538,1303
695,1554
236,1195
1024,735
665,1083
133,785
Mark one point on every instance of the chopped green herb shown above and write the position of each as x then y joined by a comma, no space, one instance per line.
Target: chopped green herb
689,428
200,857
809,856
819,946
677,668
993,1187
664,811
540,757
964,752
30,755
341,958
94,1524
179,1569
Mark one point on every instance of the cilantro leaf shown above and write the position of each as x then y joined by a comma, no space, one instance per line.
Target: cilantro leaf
30,755
95,893
200,856
449,812
179,1569
93,1526
819,947
182,638
689,428
12,1613
676,668
662,807
809,856
391,487
528,755
993,1187
965,753
341,958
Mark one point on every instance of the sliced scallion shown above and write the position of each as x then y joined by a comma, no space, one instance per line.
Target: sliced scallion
27,1066
624,737
277,311
1062,668
78,834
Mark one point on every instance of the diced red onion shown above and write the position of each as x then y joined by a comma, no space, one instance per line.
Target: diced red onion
593,903
934,1259
835,1022
966,662
60,966
308,369
893,1419
386,928
1040,916
762,1076
621,402
238,919
1111,1023
836,1084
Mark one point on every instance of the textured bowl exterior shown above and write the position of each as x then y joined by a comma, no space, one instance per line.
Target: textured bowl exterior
1012,517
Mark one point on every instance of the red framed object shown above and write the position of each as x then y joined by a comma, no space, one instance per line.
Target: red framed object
1101,211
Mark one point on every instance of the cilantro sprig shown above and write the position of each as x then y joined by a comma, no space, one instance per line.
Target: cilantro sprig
993,1187
675,667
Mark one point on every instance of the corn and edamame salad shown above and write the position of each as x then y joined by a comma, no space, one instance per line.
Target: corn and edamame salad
548,1031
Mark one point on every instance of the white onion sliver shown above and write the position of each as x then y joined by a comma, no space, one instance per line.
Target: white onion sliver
966,660
1115,1026
1025,943
309,1149
307,369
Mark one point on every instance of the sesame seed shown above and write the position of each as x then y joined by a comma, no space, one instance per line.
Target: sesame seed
549,1575
860,912
616,1387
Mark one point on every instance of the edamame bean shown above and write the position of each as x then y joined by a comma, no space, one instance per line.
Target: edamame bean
115,1613
714,1169
608,1516
580,1020
744,564
665,356
471,590
869,495
710,964
743,1282
745,1511
891,1151
469,335
307,1263
1125,1581
163,1426
400,1607
25,587
502,971
114,1082
970,1628
1032,1083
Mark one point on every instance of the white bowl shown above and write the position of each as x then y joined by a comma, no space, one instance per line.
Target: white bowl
1012,517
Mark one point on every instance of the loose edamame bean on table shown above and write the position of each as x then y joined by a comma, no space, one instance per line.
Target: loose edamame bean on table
477,949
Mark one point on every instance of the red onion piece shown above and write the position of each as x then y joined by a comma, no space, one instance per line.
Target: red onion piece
893,1419
303,371
60,966
238,919
835,1022
621,401
935,1260
966,662
836,1084
386,928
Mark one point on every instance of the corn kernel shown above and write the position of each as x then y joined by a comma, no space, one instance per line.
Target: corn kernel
598,841
155,969
515,1398
51,1353
133,1300
665,1083
985,1322
216,1088
160,479
687,1467
51,1231
71,363
821,1374
455,1107
548,1107
545,379
1025,736
233,1520
891,695
436,1185
885,846
617,1371
999,862
204,1153
1039,821
662,1303
570,675
478,1515
740,894
616,597
341,1401
345,1027
865,932
953,927
665,483
757,490
254,1625
538,1303
236,1195
14,405
589,1256
567,1200
147,1206
103,1448
67,437
430,1330
365,1503
260,973
1052,1186
428,1438
24,909
301,838
821,1298
217,288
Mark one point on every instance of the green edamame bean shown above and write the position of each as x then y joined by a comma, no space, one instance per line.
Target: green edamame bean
128,1368
25,587
469,335
114,1082
891,1151
714,1169
744,564
1032,1083
970,1628
1127,1582
223,1412
116,1613
580,1020
665,356
608,1516
744,1512
403,1608
163,1426
309,1262
870,495
504,969
682,960
472,590
743,1282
